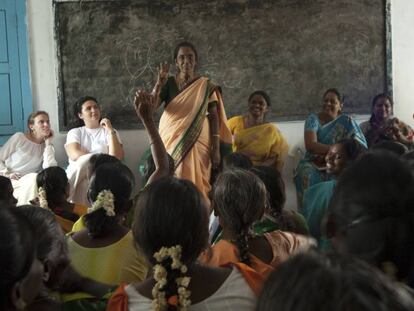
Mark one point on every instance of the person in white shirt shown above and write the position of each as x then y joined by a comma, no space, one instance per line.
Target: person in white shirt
95,136
26,154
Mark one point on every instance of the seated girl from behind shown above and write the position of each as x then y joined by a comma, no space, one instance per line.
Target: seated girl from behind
53,192
239,200
104,251
171,228
316,282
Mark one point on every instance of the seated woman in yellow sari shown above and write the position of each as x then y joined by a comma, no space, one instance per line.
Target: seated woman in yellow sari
262,142
193,124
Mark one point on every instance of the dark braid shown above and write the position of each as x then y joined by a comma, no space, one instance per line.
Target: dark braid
171,288
242,243
239,198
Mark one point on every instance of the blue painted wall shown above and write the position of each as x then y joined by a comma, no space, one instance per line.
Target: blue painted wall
15,92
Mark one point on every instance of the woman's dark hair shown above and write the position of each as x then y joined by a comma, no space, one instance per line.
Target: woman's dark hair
263,94
55,183
331,282
409,159
372,210
391,146
237,160
78,107
49,237
335,91
374,102
117,178
239,199
99,159
6,197
185,44
17,253
275,187
352,147
171,212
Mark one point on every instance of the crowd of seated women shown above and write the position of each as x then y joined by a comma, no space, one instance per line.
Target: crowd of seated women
86,243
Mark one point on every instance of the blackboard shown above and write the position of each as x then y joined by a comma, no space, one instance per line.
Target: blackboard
293,49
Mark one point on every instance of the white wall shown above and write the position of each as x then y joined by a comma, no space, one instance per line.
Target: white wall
44,81
402,18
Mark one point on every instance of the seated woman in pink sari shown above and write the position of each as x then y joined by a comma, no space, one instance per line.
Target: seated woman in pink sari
193,126
261,141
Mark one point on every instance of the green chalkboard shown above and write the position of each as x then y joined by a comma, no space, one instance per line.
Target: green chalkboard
293,49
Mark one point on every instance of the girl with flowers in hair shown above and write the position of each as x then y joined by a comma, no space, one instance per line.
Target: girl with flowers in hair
53,191
171,228
239,200
104,250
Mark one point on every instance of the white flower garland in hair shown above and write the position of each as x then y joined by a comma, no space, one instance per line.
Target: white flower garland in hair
104,200
42,198
160,275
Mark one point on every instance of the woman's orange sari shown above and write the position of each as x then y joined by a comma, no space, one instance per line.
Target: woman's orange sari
185,131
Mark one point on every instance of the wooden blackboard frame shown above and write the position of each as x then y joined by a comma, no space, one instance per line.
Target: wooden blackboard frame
62,104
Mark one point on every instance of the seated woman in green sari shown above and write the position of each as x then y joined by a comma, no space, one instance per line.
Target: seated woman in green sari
316,198
261,141
321,131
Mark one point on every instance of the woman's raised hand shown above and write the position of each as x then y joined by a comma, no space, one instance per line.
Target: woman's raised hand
144,104
163,71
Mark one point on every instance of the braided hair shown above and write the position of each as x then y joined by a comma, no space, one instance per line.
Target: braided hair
117,179
239,199
54,182
171,228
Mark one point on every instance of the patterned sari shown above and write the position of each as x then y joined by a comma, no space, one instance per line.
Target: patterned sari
185,131
307,172
259,143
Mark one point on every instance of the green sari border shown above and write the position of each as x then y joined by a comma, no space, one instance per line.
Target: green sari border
191,135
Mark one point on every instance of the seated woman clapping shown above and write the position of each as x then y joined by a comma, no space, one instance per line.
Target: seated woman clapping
95,136
25,154
104,250
239,200
171,228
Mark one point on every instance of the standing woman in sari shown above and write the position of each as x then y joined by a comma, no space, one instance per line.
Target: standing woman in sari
193,125
322,130
262,142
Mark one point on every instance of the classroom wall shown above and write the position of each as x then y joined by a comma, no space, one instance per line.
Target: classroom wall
43,68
